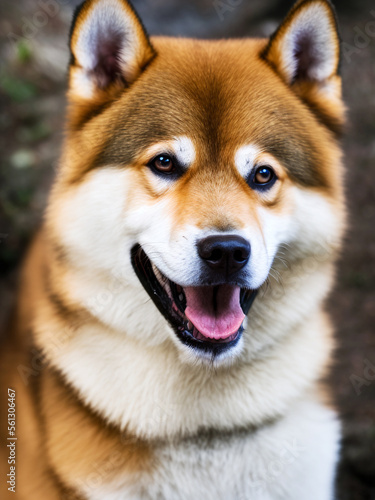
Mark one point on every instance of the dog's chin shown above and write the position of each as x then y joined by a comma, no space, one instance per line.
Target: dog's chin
208,321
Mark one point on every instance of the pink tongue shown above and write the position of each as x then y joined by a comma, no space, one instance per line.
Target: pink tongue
218,322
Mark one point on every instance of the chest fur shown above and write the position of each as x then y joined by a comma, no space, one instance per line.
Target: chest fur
293,458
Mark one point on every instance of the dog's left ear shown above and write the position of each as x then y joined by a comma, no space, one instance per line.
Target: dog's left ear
109,48
305,52
306,46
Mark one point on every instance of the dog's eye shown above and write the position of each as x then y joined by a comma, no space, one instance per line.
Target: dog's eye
263,177
164,164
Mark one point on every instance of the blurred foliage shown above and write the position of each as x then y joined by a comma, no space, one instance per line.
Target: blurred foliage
16,88
24,52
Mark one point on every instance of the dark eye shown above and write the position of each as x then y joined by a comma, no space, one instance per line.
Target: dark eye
164,164
263,177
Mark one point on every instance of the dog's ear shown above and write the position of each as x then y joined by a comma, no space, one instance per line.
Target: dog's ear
305,52
306,46
109,48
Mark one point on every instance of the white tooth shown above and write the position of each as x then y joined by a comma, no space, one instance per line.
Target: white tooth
190,325
167,288
244,323
181,297
157,272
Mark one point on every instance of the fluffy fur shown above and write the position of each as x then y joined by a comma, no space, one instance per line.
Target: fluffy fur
111,404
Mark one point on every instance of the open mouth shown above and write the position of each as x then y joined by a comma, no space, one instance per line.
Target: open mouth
208,318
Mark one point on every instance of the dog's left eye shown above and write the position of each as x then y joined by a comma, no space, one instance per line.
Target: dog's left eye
164,164
262,178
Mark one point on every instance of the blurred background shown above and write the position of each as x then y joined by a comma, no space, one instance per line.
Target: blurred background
33,62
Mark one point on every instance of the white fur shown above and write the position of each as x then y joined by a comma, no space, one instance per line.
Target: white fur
82,84
184,150
284,461
245,159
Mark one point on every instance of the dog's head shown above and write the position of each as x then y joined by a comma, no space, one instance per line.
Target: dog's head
190,164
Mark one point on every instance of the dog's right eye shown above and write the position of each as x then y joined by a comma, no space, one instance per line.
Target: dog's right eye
164,164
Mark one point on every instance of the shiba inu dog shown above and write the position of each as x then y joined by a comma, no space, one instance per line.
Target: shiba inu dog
170,339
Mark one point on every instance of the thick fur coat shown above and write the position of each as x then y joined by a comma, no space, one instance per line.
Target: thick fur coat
171,142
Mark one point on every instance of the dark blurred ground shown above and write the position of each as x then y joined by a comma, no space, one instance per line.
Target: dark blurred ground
33,60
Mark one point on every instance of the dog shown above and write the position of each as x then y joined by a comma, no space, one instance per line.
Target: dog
170,339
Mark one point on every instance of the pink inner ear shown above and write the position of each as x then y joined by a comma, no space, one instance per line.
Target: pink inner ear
107,69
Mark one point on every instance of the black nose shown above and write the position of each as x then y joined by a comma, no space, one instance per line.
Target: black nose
225,252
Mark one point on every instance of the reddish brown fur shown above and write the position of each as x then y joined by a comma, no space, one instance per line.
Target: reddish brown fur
230,96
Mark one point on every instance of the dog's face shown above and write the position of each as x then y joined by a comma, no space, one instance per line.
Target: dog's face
190,164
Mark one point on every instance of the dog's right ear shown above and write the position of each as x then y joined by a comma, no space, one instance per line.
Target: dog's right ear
109,49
